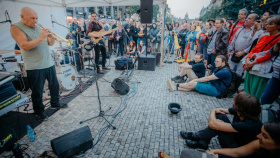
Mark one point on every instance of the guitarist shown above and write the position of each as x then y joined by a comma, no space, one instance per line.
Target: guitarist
100,46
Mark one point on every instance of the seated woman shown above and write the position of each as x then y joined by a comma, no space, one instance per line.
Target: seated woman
267,146
243,129
141,48
131,49
213,85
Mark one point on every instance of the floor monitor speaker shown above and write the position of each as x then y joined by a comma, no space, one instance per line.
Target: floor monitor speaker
72,143
120,86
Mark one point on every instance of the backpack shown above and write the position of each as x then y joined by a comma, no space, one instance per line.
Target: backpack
268,113
234,85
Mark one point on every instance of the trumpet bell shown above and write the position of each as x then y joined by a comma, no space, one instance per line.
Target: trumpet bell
69,42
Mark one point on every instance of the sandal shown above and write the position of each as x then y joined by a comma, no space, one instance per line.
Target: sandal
161,154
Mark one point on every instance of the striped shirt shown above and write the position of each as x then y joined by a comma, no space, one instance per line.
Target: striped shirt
276,64
239,42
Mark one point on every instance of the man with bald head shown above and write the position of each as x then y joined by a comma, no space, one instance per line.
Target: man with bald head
34,45
240,44
181,37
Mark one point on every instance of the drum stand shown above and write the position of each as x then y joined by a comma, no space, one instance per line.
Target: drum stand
101,112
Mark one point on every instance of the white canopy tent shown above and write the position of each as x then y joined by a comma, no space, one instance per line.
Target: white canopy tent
46,8
83,3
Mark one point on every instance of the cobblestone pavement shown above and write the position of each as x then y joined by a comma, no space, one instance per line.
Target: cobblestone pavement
144,128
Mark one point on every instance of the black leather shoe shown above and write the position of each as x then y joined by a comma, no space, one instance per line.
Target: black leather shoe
202,144
188,135
41,117
60,105
175,78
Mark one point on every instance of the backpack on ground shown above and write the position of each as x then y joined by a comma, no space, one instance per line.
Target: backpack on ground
269,113
236,80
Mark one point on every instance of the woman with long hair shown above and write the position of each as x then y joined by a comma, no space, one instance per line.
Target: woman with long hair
131,48
141,48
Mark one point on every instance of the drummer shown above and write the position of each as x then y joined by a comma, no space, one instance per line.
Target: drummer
34,45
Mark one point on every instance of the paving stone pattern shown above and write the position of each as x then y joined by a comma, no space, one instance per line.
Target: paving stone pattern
144,128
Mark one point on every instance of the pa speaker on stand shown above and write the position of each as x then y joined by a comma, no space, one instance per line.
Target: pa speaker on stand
146,11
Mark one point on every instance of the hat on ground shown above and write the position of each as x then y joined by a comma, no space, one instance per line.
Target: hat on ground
175,108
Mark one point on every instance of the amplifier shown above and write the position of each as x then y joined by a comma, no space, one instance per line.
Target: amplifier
147,62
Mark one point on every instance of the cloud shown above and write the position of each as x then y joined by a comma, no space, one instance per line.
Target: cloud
193,7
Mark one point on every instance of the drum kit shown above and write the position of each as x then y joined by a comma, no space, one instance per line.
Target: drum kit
67,62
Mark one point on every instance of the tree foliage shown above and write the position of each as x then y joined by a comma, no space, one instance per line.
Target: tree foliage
230,8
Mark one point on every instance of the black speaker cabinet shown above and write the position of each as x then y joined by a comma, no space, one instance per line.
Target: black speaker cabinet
146,11
147,62
120,86
72,143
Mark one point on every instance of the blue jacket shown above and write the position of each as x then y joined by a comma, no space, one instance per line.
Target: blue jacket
192,38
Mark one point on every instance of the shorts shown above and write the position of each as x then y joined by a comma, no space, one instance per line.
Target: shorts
207,88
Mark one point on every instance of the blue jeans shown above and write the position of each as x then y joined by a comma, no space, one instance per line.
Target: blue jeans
271,91
226,139
203,50
211,60
36,80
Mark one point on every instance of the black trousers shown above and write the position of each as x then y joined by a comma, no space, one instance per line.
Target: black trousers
36,80
226,139
182,50
100,47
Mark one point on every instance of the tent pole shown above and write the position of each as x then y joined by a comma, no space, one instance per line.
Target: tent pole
162,32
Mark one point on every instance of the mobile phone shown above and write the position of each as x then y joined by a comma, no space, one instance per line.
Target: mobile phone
258,21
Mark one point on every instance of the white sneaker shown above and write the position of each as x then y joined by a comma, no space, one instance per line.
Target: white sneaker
171,85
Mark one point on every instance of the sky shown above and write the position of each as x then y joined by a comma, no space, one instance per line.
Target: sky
193,7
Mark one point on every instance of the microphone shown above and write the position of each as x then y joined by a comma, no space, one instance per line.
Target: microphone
52,20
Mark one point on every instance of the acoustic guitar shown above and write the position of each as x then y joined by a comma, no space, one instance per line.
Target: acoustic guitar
101,33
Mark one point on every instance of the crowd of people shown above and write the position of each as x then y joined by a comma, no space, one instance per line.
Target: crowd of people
250,48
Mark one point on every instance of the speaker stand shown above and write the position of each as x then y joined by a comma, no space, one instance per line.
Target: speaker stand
101,112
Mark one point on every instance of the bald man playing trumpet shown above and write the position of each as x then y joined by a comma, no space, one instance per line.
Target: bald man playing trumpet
34,44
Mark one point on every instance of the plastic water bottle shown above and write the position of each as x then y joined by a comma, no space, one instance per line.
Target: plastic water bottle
134,88
30,133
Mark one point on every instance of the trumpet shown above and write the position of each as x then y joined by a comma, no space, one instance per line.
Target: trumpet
57,38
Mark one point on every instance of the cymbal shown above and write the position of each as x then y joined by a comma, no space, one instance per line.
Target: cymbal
62,48
5,51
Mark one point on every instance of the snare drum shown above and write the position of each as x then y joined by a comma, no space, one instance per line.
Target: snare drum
67,77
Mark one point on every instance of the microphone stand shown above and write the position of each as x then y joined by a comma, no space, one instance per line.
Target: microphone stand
101,112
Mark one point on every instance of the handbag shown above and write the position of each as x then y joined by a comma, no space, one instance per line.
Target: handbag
235,58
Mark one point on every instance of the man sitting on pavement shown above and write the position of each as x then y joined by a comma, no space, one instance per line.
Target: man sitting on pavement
193,69
213,85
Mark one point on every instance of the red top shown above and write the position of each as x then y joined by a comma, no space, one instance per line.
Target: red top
238,26
260,45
